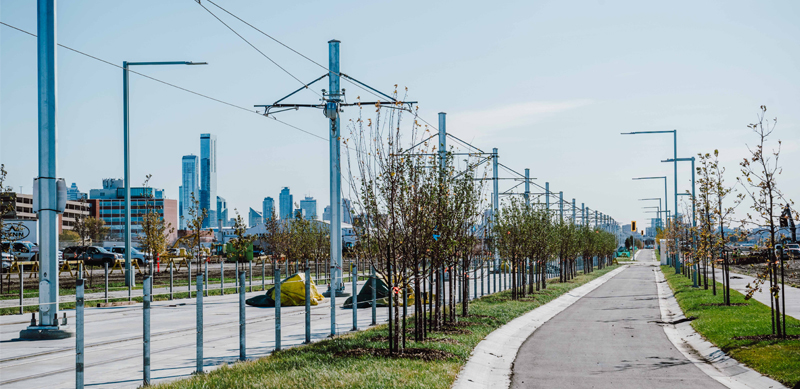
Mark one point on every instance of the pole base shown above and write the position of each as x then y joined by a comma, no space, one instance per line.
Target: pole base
46,333
339,293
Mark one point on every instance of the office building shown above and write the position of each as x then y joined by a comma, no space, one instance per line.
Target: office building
108,204
73,194
23,210
286,204
254,218
308,208
222,212
326,214
268,208
190,180
208,178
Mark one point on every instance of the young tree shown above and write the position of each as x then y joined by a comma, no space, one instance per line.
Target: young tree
760,172
242,243
194,223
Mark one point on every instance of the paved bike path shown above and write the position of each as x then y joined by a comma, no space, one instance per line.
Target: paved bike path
608,339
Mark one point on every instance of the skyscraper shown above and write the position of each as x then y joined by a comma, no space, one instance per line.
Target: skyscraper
308,207
347,214
222,212
286,203
74,194
268,208
208,178
190,181
254,218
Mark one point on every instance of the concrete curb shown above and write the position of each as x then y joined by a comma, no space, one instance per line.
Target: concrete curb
708,358
490,364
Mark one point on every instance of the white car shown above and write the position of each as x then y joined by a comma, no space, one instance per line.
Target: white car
6,260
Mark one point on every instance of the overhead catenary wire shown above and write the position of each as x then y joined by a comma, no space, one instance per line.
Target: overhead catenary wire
256,48
173,85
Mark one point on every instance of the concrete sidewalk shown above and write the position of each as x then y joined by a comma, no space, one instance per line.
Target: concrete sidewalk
739,283
608,339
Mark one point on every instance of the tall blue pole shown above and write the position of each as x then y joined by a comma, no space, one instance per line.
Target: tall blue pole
442,141
574,210
47,194
675,165
527,186
126,140
495,203
332,113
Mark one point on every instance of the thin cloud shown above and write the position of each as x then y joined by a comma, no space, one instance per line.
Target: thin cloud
478,124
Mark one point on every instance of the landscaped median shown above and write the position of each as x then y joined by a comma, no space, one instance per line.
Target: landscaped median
360,360
736,329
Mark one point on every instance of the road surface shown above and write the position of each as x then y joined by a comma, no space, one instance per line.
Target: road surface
608,339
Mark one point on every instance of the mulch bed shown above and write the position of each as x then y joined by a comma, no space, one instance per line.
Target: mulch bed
767,337
424,354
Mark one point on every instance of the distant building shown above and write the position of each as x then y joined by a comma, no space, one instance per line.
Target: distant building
268,207
222,211
190,186
73,194
254,218
108,204
347,212
308,208
286,204
208,178
23,210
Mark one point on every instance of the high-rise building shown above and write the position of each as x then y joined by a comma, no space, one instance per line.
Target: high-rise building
347,215
268,207
254,218
308,207
73,194
191,186
208,178
286,204
222,212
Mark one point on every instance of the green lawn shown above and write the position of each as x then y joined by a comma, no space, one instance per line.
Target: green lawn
331,363
720,324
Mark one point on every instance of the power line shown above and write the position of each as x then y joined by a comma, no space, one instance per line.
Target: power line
173,85
255,48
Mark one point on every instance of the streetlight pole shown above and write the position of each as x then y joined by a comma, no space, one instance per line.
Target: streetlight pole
694,212
658,219
666,205
675,167
129,281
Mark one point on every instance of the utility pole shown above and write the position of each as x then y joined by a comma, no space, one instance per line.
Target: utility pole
528,187
546,197
561,205
574,220
46,187
495,201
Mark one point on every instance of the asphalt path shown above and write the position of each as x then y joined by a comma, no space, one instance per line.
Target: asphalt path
608,339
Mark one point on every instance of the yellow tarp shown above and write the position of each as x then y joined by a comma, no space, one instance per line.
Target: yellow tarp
293,291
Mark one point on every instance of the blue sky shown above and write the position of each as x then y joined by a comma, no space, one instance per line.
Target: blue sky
551,84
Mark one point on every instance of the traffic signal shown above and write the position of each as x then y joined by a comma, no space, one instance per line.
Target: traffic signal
633,226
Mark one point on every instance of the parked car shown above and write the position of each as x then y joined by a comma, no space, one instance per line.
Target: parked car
137,255
22,251
793,250
91,255
7,258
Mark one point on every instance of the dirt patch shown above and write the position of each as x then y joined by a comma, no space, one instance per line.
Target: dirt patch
767,337
424,354
725,305
791,271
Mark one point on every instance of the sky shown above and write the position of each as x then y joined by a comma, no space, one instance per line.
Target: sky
551,84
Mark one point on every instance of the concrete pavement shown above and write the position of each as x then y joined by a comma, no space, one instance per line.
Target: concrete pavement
608,339
739,283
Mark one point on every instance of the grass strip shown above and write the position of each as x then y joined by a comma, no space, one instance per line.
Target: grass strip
359,360
778,359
